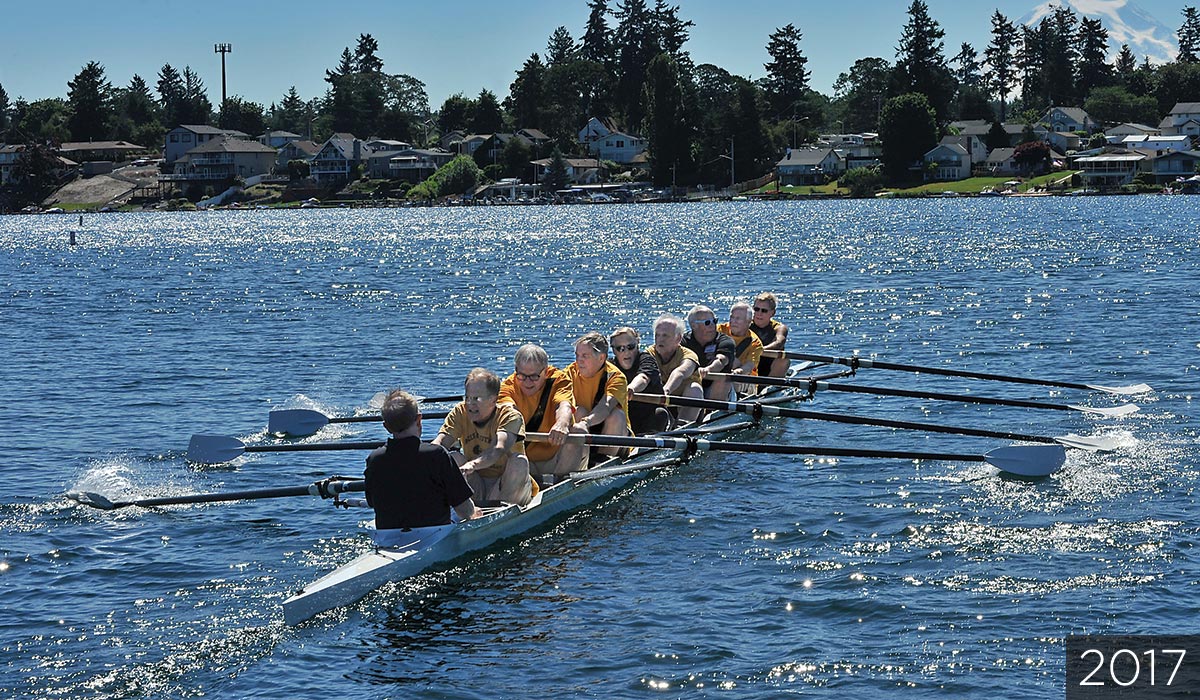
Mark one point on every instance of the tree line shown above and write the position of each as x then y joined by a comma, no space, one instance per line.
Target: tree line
630,64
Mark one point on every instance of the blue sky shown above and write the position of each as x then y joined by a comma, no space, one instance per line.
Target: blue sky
459,46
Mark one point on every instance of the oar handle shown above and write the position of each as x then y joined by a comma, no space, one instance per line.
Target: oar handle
327,488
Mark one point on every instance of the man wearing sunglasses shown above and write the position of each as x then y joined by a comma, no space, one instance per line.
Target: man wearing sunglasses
543,396
715,350
771,333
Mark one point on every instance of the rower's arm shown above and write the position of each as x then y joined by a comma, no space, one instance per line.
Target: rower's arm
599,413
495,454
466,510
780,339
680,376
641,381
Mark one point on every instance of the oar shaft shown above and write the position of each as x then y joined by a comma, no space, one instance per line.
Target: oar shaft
324,489
866,363
375,417
750,407
316,446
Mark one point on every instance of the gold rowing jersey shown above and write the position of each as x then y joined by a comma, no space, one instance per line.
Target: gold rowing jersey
586,389
665,368
510,393
474,438
749,352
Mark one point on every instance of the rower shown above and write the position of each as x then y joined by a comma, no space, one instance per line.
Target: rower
492,440
601,394
642,377
771,333
543,396
747,347
677,365
714,348
409,483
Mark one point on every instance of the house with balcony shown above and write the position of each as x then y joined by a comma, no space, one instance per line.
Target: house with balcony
80,151
10,157
977,152
1183,119
217,162
809,166
278,139
1169,166
295,150
338,160
947,161
1110,169
409,164
185,137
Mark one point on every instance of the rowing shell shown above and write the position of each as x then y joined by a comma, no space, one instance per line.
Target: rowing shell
412,551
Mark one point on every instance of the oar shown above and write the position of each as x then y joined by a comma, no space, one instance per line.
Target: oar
1091,444
814,386
327,488
1022,460
215,449
298,422
856,362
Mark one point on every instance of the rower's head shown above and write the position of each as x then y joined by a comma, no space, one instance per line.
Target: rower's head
530,363
401,414
625,346
668,333
764,308
591,352
703,323
480,391
739,318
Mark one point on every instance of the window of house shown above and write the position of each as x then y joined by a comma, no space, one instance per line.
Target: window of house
620,144
174,138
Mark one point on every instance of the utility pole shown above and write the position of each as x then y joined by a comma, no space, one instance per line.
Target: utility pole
223,49
732,179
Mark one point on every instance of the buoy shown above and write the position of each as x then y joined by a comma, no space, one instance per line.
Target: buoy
72,238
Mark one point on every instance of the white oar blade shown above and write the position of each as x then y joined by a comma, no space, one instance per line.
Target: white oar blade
1028,460
296,422
1109,411
214,449
1123,390
1091,444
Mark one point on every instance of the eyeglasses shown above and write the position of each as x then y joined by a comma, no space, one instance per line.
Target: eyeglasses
761,310
521,376
623,348
705,322
477,399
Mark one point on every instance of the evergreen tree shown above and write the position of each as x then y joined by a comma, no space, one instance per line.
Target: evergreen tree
1125,63
91,110
1189,37
671,33
369,87
787,77
967,61
560,48
526,94
242,115
861,92
597,43
195,108
1094,70
4,120
292,114
515,158
1000,55
752,155
637,45
487,117
342,99
920,63
170,95
455,114
555,178
997,137
1048,58
666,130
136,115
908,129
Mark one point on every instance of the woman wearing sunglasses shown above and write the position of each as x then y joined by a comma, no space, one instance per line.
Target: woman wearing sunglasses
642,375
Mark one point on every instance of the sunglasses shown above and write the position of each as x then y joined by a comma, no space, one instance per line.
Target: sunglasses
477,399
623,348
705,322
761,310
521,376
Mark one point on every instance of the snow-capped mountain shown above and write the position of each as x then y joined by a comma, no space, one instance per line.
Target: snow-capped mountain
1126,24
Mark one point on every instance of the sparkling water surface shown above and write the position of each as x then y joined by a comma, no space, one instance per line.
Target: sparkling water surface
745,576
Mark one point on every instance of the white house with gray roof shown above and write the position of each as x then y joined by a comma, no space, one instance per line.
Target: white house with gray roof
1183,119
1062,119
809,166
337,160
185,137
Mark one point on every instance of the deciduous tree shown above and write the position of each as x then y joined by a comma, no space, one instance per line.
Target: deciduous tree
861,91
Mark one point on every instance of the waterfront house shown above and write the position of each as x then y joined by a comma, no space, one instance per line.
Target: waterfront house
973,145
81,151
338,160
1109,169
9,155
278,139
947,161
1169,166
301,149
580,171
1120,131
602,138
1183,119
409,164
185,137
1063,119
1158,143
809,166
1000,162
217,162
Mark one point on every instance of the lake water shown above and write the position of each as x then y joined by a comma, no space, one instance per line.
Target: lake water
734,576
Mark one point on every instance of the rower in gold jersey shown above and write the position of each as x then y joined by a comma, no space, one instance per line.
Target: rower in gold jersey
771,333
747,347
601,394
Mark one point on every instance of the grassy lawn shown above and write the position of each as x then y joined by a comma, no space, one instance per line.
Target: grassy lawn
975,185
830,189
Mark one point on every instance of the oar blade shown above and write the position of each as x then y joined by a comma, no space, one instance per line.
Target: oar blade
1028,460
214,449
1109,411
296,422
1122,390
1091,444
90,498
